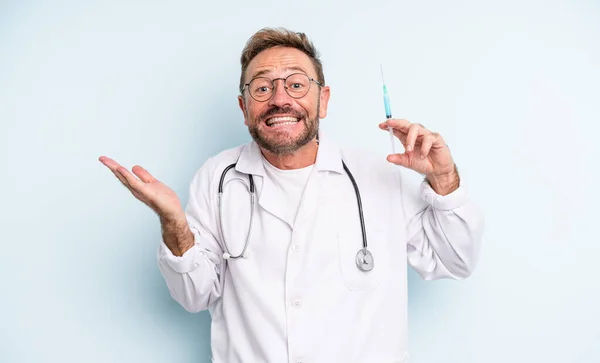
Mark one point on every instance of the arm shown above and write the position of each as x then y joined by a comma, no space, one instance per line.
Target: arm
444,228
194,277
444,231
189,256
177,235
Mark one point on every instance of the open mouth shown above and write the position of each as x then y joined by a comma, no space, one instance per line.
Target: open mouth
281,121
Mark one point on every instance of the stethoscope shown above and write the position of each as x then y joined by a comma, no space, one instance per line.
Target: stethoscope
364,257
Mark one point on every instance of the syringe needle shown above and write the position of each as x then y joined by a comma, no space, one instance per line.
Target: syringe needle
392,139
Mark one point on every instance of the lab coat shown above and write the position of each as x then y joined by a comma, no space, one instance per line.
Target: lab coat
299,296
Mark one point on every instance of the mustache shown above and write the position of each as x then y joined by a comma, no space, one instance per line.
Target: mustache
281,110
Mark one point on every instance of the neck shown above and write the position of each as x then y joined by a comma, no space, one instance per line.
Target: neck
301,158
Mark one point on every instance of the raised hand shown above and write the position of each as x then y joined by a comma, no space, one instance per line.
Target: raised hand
147,189
425,152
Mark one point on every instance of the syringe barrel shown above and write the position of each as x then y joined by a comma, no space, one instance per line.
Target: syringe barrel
386,102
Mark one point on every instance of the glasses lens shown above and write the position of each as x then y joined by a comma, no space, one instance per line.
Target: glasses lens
297,85
261,88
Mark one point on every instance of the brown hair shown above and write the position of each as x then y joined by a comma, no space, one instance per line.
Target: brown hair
271,37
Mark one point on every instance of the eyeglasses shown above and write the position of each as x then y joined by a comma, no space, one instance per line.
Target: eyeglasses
296,85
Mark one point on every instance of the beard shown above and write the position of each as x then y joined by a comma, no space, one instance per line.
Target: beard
282,143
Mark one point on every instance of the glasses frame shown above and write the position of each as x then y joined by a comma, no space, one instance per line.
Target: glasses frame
273,86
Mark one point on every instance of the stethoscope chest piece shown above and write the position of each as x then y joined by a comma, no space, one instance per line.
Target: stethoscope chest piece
364,260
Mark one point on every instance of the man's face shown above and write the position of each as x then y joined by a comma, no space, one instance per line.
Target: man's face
283,124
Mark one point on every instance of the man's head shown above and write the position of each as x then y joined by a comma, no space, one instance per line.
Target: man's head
283,92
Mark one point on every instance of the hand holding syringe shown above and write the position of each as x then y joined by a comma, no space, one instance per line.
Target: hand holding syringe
426,152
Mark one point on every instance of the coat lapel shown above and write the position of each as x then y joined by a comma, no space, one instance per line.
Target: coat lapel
328,160
251,162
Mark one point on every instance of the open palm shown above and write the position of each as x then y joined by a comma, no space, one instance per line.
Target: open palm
147,189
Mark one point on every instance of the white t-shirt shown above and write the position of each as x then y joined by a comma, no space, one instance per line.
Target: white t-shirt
290,186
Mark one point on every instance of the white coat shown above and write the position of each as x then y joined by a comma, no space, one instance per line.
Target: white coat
300,297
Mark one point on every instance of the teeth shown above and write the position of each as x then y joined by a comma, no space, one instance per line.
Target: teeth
286,120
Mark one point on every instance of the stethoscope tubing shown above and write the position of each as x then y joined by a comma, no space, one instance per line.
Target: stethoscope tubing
364,258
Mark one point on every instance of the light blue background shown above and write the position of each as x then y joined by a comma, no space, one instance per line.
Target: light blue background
511,85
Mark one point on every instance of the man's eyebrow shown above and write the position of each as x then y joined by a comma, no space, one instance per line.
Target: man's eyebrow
265,71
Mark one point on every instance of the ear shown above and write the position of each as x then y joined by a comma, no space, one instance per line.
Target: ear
325,93
242,105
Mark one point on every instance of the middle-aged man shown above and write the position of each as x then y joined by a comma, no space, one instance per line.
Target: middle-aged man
325,242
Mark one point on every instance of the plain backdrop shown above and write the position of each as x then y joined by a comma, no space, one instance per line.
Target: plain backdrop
513,87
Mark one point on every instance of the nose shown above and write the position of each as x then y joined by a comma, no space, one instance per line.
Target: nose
280,96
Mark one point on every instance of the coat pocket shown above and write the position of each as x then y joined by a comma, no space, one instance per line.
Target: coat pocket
349,244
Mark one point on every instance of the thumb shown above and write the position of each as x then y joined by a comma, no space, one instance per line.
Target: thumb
399,159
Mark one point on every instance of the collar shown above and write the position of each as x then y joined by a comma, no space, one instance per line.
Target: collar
329,158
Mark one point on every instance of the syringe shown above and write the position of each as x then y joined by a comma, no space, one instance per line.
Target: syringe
388,110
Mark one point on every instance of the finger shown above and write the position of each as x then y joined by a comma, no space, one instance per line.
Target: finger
116,169
135,193
401,136
414,131
143,174
123,180
133,182
384,126
399,159
426,144
110,163
398,124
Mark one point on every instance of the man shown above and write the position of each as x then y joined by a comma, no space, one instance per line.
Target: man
307,289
